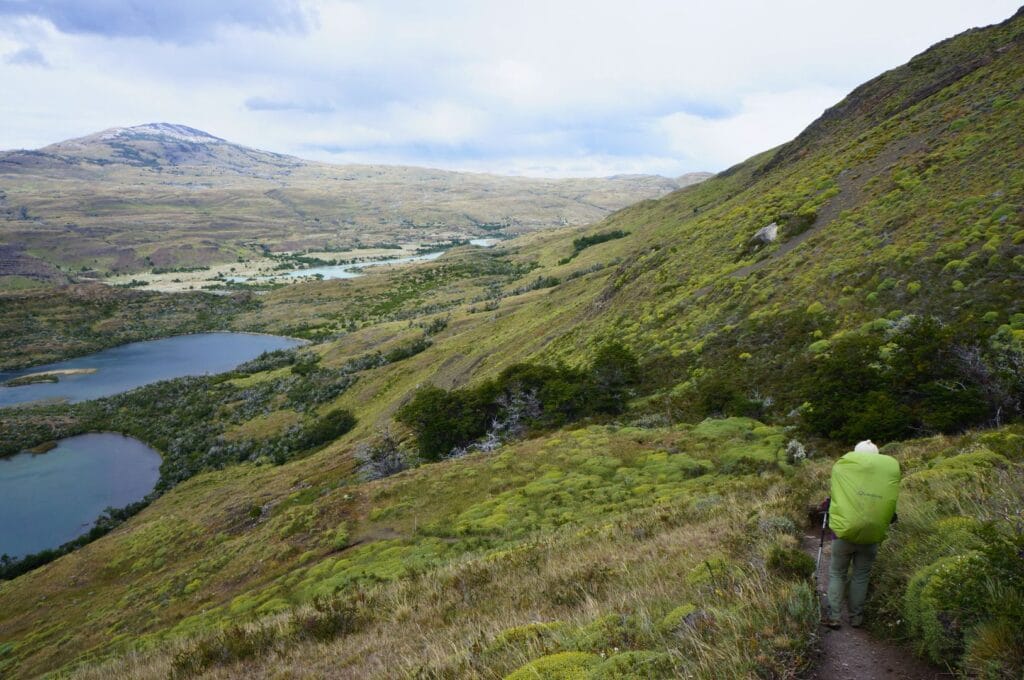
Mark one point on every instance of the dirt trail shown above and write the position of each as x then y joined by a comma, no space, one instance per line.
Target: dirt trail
852,653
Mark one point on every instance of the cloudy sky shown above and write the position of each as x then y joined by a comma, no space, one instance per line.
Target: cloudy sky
537,87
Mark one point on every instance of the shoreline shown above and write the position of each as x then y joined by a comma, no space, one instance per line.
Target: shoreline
45,376
301,341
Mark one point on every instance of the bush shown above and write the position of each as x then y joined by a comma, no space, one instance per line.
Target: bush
561,666
790,563
327,618
582,243
679,617
522,396
918,376
329,427
637,664
945,599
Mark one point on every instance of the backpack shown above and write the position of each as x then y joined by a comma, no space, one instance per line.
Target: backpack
865,487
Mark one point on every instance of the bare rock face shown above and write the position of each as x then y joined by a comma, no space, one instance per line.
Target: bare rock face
766,235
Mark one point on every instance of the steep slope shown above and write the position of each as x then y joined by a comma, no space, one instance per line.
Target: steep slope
166,195
658,543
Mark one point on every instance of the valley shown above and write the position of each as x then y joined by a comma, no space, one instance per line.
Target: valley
584,451
163,197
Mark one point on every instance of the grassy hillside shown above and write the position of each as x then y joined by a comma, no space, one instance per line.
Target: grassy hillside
654,541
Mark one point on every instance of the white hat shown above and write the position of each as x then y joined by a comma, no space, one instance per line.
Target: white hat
866,446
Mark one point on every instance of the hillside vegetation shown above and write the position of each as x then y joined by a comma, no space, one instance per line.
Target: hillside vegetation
652,537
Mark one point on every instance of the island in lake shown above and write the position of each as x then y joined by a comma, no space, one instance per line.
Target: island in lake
46,376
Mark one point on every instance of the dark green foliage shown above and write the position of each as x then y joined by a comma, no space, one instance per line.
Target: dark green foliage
305,363
407,350
790,563
523,395
268,361
328,428
721,394
537,284
615,370
922,377
583,242
446,420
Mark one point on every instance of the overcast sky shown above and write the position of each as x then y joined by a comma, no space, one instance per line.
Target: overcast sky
545,87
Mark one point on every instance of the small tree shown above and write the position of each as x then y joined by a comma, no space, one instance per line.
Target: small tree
614,371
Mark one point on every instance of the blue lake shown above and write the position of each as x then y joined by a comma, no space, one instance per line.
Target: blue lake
129,366
48,499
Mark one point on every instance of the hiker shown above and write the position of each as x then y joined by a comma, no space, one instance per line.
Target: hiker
862,505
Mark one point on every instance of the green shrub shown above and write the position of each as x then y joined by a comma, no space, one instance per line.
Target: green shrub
329,427
677,618
542,636
923,377
945,599
790,563
561,666
636,664
521,397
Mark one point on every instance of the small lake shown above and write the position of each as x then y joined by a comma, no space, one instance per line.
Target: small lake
50,498
129,366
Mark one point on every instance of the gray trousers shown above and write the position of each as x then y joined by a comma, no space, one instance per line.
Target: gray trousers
862,557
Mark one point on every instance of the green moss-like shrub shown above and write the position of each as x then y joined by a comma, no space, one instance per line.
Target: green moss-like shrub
538,637
636,664
677,618
943,601
561,666
790,563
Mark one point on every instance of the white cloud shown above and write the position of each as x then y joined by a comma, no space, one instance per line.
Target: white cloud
764,120
536,86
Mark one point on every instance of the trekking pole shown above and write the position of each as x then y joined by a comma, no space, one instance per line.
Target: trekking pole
821,543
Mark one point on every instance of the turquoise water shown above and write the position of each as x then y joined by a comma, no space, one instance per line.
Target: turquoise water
129,366
48,499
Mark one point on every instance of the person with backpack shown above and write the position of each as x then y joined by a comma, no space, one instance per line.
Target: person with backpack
865,485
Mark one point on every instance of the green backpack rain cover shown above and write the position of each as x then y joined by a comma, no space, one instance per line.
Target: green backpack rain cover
864,491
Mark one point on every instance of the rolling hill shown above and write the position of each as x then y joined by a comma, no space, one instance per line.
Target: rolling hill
866,278
163,195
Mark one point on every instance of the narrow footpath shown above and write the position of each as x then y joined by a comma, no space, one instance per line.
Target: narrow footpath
853,653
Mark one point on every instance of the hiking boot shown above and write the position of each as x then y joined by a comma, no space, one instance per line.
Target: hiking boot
857,622
834,624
